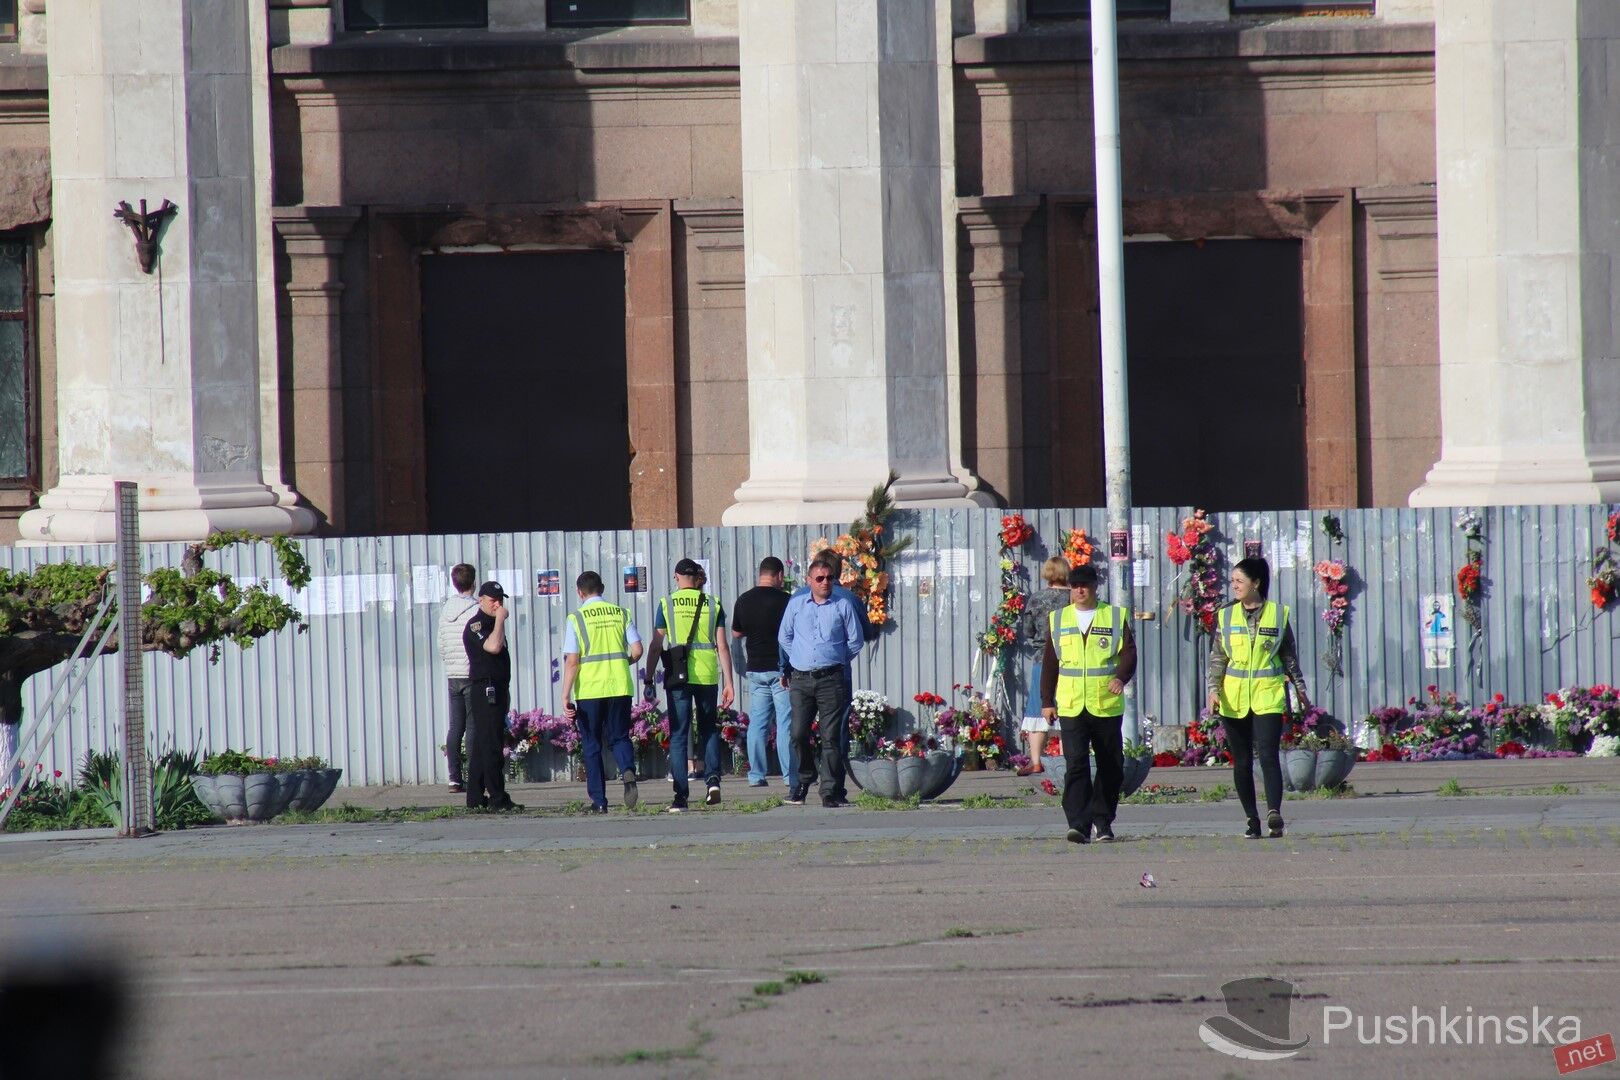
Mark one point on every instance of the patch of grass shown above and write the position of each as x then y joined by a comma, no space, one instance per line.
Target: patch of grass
1337,791
771,988
867,801
1451,789
804,978
986,801
348,813
769,802
958,931
1161,793
416,959
1215,793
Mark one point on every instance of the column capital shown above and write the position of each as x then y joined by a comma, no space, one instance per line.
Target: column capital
996,219
314,230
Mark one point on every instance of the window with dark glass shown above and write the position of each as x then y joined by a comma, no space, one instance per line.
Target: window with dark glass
17,421
1262,7
8,20
616,12
414,14
1081,9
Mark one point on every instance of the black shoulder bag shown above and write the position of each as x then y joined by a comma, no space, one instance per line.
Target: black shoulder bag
677,674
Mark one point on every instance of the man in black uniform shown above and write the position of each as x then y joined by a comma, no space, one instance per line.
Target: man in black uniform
489,675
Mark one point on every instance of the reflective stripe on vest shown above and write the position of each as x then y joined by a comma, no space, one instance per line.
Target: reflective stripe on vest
703,662
1254,679
604,657
1088,661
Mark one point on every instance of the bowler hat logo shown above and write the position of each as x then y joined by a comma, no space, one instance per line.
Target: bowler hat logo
1255,1026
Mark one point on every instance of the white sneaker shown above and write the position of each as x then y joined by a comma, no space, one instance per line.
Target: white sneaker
676,809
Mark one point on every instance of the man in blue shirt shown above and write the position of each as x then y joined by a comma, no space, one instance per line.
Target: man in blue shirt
820,635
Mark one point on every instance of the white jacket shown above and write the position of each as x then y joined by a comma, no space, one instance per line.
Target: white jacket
453,619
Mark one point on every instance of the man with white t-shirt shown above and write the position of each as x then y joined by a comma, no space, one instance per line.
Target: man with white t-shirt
1090,656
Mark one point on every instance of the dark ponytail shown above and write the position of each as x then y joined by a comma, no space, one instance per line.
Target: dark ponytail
1258,572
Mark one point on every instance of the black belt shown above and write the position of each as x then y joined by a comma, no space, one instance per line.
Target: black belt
828,670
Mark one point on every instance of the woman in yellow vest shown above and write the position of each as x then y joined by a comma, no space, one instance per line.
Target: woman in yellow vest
1251,662
1090,655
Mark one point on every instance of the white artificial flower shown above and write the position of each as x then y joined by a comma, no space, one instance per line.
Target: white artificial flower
1604,746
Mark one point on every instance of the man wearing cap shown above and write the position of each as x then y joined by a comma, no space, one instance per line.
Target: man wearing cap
489,675
694,619
1090,656
600,643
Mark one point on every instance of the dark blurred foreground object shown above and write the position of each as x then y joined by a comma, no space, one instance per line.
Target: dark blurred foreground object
63,1016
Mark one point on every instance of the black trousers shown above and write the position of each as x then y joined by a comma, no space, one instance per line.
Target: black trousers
1085,803
822,699
486,723
460,703
1256,733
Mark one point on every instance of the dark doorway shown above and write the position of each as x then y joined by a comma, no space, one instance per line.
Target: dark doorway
1215,344
527,412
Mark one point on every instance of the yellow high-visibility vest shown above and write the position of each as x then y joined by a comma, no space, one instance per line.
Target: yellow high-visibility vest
1086,662
1254,676
602,632
703,662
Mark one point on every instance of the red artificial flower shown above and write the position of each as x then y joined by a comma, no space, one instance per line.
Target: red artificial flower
1164,759
1049,787
1510,748
1176,549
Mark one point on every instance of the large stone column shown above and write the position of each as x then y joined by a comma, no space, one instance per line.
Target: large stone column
1529,199
843,241
159,374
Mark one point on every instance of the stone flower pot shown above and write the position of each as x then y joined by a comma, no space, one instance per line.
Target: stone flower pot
1136,771
1307,770
315,786
246,796
925,777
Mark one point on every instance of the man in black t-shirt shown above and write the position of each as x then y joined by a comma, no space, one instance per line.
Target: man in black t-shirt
755,618
489,677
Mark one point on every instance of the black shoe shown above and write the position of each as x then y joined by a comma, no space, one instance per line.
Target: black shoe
1078,836
632,796
599,809
1274,824
1253,831
833,803
759,783
713,798
795,796
695,774
1105,834
477,804
508,807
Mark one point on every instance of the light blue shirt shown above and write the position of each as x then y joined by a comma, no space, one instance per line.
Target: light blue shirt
815,636
571,641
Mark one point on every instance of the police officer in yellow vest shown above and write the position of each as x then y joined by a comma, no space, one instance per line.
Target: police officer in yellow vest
690,615
600,643
1251,662
1090,656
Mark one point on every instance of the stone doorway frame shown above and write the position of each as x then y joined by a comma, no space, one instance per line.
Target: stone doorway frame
1324,223
398,236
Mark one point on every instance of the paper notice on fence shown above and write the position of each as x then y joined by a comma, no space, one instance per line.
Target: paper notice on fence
1437,631
955,562
1142,574
914,565
342,594
428,585
1282,555
1302,541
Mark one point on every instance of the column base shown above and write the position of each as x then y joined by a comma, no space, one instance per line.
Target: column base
828,501
1474,478
81,510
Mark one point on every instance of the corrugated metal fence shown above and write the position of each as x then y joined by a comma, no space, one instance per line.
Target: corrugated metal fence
365,689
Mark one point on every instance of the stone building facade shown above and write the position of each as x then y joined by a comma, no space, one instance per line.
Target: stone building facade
503,279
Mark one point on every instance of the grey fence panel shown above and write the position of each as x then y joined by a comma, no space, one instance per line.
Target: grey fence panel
364,686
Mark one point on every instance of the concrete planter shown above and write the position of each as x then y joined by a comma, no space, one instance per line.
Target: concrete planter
1136,771
925,777
314,788
1307,770
235,797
